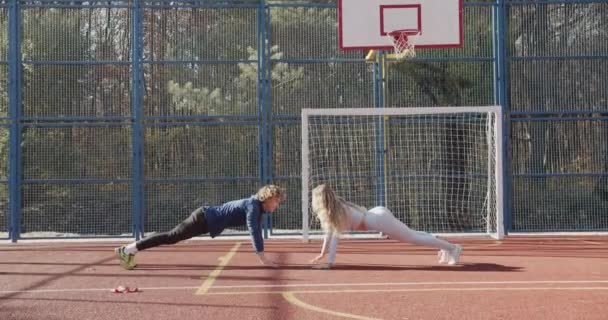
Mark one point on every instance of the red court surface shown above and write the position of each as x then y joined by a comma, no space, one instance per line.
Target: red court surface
518,278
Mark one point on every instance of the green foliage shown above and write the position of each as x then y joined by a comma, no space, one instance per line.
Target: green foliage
303,17
200,101
190,99
283,75
3,35
439,83
558,204
57,88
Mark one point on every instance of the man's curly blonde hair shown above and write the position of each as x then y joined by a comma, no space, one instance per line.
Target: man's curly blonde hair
270,191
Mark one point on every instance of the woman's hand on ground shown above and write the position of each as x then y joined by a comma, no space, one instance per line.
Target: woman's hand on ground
317,258
265,261
322,266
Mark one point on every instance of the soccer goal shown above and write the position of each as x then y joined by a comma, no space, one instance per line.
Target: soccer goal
437,169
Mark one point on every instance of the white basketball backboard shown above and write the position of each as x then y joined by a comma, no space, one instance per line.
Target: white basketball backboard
364,24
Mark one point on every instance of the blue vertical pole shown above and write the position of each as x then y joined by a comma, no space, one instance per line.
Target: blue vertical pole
14,97
265,157
501,97
375,85
260,88
380,147
138,204
267,99
380,61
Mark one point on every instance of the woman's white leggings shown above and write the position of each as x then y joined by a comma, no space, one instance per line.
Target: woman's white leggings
382,220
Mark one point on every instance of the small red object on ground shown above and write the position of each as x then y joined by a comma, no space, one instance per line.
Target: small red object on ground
121,289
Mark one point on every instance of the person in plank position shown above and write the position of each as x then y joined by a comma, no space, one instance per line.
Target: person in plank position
214,220
338,215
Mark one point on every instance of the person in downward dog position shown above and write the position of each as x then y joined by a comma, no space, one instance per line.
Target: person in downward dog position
338,215
214,220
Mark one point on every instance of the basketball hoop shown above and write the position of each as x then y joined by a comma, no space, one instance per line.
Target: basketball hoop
404,42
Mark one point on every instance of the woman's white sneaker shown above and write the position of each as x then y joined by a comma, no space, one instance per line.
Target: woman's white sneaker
454,255
443,256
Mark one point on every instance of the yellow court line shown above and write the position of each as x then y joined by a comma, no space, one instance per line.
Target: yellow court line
215,273
289,296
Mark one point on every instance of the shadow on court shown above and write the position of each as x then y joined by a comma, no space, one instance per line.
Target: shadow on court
114,302
463,267
345,267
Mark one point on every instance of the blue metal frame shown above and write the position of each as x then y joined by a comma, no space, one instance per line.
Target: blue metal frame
264,114
501,98
137,113
264,117
380,156
15,169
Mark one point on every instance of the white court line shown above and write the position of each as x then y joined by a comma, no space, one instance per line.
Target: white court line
442,283
92,290
591,242
414,290
291,298
321,285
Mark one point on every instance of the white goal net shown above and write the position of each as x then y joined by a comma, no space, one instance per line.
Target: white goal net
437,169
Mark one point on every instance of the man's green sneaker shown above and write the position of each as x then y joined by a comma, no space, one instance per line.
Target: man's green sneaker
127,261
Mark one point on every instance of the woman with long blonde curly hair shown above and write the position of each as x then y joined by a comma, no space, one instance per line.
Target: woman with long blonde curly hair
337,215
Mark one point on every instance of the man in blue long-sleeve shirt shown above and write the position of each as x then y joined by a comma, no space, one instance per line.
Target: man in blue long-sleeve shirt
214,220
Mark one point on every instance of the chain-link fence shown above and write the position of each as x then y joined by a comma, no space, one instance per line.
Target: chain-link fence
118,118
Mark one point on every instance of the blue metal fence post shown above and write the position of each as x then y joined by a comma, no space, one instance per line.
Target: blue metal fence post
264,109
501,97
379,87
138,204
382,87
14,97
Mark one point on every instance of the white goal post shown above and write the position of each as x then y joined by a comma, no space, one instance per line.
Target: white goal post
438,169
